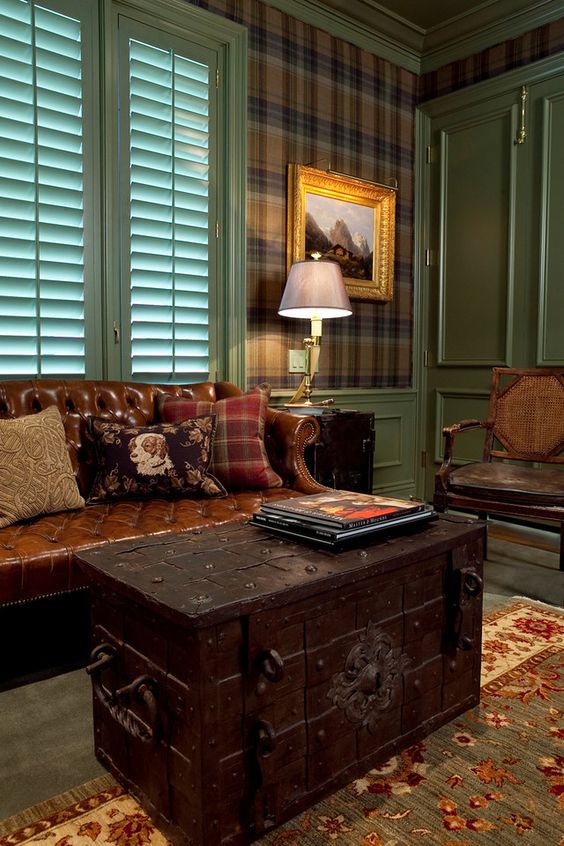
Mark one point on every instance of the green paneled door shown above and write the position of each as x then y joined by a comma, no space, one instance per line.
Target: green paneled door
547,106
492,223
471,278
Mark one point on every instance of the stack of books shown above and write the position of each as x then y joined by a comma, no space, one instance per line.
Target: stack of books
333,518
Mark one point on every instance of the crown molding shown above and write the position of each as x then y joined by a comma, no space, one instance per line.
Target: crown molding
491,23
368,25
363,24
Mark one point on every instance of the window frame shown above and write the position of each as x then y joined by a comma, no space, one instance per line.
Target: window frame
154,38
228,297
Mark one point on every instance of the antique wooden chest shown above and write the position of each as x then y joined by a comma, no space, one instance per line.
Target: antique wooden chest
238,677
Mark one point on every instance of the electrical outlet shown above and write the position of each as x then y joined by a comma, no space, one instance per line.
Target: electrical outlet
296,361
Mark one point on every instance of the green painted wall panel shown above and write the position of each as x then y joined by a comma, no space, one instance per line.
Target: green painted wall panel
475,257
395,433
551,328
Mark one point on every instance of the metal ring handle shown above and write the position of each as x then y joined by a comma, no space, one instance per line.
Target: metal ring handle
143,688
465,643
271,665
473,584
266,738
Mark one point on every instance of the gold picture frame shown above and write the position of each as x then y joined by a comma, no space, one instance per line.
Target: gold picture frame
367,254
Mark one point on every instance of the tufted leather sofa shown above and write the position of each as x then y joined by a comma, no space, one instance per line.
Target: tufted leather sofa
37,557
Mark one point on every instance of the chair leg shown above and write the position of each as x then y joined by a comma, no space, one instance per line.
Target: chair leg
562,546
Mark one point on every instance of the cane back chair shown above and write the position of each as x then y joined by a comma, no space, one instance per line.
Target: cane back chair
521,473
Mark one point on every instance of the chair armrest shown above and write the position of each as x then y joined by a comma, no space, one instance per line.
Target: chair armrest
450,433
286,437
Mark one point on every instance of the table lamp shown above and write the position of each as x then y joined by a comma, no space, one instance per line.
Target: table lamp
314,290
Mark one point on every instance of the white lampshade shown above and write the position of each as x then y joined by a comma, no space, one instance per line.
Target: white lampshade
315,289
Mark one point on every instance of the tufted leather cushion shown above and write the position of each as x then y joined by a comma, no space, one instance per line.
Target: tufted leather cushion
39,558
126,403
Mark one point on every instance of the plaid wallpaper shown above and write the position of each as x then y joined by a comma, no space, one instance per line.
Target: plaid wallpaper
315,99
537,44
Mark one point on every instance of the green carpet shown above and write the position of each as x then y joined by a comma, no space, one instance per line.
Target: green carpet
493,776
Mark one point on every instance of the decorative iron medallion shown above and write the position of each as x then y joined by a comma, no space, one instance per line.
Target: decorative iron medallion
372,675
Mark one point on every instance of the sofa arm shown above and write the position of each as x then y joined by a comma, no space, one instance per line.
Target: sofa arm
286,437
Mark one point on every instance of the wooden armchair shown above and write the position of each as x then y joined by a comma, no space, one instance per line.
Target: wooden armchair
525,424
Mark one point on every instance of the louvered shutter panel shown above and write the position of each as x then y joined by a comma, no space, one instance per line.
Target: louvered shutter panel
169,137
41,186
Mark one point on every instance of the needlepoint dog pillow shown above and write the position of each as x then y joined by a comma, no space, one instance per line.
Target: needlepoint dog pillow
161,460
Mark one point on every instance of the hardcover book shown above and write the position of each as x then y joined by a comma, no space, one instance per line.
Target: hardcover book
344,509
295,527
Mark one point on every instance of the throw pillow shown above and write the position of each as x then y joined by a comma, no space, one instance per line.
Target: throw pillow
161,460
36,475
239,454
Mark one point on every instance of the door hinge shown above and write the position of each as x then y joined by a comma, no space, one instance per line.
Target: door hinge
428,155
423,458
428,257
217,77
217,229
427,358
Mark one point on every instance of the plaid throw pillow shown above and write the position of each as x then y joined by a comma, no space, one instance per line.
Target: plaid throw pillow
161,460
239,458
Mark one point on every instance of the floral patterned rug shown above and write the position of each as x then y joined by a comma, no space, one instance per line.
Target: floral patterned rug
493,776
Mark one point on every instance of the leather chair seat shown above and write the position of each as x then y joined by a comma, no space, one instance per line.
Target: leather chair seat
517,484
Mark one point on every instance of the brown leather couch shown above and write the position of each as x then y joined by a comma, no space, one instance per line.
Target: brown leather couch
38,568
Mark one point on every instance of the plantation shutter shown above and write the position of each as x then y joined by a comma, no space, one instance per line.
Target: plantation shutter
42,270
169,144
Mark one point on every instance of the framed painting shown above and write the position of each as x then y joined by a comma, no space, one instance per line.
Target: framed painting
347,220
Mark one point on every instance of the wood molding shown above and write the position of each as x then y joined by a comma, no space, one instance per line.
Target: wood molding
492,23
381,35
368,25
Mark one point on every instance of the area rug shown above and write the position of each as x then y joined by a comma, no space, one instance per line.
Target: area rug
493,776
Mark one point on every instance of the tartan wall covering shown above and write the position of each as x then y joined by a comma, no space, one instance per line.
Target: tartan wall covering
315,99
530,47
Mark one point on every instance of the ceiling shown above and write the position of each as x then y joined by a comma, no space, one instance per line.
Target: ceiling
430,13
423,35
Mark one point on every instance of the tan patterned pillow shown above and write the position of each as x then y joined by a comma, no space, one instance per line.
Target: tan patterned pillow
36,474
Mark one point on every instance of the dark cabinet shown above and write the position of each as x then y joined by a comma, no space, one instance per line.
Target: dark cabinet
343,455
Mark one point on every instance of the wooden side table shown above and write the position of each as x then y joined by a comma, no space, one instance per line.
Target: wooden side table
343,455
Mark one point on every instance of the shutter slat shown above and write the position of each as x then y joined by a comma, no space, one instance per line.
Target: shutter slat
169,215
41,183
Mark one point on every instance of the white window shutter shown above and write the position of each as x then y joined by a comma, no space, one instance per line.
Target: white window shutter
169,212
41,185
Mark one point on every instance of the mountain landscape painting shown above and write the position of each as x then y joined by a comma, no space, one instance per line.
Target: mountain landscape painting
341,231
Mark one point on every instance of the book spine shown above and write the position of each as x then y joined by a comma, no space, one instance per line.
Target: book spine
293,526
342,524
380,518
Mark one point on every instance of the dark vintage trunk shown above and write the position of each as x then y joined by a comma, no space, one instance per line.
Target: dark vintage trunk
239,678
